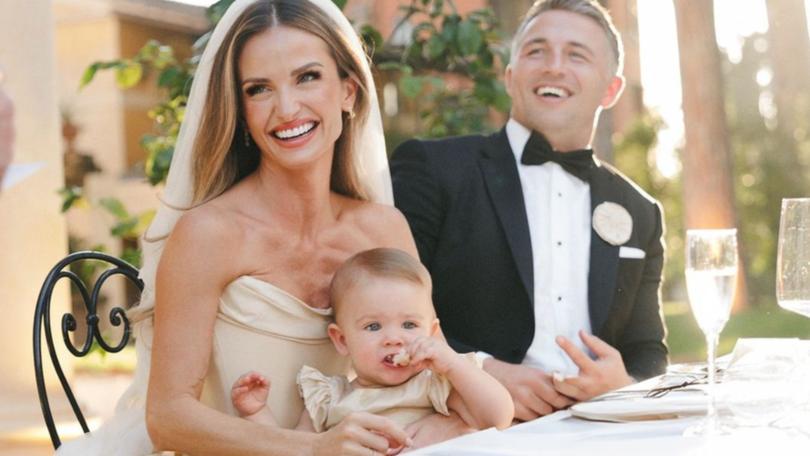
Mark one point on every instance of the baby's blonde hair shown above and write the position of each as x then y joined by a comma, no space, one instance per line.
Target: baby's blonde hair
378,263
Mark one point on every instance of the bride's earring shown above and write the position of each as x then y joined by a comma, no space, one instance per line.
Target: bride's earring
247,135
350,113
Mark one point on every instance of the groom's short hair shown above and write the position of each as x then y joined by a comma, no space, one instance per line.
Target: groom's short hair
588,8
381,262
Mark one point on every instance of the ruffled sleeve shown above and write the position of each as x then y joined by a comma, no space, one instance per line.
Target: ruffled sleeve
438,392
319,393
439,387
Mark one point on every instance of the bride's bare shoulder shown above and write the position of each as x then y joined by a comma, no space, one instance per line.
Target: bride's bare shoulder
209,222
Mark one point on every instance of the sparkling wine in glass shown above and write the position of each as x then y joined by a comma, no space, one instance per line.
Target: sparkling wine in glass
711,277
793,256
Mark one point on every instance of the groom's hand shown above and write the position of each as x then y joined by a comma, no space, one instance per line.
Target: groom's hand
531,389
595,377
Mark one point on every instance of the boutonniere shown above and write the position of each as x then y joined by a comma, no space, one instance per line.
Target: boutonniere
612,223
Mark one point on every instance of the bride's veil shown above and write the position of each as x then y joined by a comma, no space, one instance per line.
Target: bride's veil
126,432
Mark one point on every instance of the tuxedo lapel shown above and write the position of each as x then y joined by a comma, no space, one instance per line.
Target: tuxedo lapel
503,184
604,260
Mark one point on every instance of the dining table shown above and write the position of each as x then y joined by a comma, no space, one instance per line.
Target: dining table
762,397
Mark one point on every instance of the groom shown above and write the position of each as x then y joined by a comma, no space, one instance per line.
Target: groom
534,245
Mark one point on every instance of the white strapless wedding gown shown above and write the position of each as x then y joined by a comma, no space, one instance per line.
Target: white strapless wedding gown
259,327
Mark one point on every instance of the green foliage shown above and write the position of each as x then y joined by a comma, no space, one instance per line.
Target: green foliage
127,226
633,155
687,343
174,77
768,165
71,196
451,65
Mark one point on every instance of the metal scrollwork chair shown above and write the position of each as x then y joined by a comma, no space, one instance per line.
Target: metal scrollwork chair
117,317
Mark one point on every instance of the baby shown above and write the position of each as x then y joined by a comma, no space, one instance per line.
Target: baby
385,322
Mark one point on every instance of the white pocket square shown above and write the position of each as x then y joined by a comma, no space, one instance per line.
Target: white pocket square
631,252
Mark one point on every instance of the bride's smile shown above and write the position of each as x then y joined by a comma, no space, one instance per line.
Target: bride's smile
293,96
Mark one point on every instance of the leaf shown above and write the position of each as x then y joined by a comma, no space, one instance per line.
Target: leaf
450,28
502,100
89,74
115,207
394,66
484,90
435,47
217,10
157,164
436,11
410,86
169,77
128,74
149,50
164,57
340,3
124,229
71,196
469,38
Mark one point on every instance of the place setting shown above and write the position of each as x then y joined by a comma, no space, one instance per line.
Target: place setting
762,382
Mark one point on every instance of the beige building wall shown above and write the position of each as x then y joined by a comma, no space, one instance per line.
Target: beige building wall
32,231
111,120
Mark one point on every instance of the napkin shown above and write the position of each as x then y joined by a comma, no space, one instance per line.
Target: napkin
676,404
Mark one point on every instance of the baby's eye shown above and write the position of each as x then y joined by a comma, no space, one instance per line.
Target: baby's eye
410,325
309,76
373,327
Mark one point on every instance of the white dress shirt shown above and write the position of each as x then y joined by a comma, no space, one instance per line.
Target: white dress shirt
558,208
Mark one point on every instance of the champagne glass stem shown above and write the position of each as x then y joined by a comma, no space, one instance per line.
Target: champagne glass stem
711,348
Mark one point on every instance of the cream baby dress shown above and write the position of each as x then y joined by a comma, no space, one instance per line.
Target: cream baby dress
329,399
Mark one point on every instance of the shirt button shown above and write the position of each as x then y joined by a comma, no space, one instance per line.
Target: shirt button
559,194
559,243
559,298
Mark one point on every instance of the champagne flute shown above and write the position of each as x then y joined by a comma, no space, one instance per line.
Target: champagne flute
793,284
793,256
711,276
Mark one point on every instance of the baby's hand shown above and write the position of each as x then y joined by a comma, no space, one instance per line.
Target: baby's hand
434,353
249,393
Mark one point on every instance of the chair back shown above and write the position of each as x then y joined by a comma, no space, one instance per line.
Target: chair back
90,297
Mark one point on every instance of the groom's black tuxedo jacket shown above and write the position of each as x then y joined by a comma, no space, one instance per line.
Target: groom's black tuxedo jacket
463,200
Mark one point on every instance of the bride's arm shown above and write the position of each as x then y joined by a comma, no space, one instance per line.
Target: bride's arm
193,272
195,268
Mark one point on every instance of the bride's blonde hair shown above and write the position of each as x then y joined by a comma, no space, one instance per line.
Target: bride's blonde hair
221,156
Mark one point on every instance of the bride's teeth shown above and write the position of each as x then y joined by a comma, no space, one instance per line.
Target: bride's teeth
297,131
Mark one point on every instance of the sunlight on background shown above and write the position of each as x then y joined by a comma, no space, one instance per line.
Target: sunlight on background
660,73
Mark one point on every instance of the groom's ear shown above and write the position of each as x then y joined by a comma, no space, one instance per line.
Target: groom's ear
338,338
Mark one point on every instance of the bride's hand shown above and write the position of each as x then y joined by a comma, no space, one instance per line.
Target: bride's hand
360,432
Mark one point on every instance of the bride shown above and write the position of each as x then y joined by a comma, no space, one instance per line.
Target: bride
279,175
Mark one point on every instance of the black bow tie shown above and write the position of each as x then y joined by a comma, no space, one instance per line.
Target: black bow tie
578,163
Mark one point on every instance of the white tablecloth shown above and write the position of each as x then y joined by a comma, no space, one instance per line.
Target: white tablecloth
563,434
